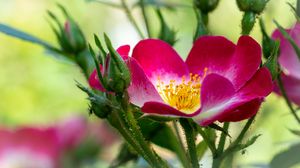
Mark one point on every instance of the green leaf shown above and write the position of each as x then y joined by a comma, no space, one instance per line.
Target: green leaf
201,148
287,158
289,38
24,36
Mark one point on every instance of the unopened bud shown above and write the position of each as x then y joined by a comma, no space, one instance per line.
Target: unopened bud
117,74
72,38
256,6
206,6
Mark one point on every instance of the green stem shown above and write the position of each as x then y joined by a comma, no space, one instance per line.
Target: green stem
217,161
155,159
223,138
190,136
243,132
185,159
145,16
288,102
131,18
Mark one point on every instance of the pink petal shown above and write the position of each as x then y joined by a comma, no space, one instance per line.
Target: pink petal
157,108
216,91
212,52
242,112
124,51
158,58
94,81
258,87
292,88
141,89
236,63
288,58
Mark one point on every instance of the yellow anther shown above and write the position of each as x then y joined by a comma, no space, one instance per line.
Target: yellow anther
184,96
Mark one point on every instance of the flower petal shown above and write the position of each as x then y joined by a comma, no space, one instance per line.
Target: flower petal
141,89
288,58
258,87
216,91
212,52
242,112
219,55
124,51
158,58
157,108
292,88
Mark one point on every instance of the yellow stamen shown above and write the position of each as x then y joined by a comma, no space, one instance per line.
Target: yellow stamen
184,96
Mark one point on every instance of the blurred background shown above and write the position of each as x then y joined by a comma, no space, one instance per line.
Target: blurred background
36,89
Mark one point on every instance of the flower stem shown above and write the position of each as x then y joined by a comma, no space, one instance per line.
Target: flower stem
223,138
142,5
184,159
217,160
288,102
131,18
190,136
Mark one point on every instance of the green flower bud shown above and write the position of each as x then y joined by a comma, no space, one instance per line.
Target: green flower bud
206,6
248,22
117,73
72,38
256,6
268,44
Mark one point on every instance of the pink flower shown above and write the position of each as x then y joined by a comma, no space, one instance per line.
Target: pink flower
29,147
218,81
290,63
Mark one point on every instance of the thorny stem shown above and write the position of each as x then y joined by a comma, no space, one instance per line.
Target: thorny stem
131,18
155,160
288,102
190,136
185,160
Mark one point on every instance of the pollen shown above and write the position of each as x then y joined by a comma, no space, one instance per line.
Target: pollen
183,95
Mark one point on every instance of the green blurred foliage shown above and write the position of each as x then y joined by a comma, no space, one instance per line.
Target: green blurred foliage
36,88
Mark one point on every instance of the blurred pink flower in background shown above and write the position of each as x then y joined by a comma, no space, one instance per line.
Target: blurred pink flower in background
289,61
29,148
45,147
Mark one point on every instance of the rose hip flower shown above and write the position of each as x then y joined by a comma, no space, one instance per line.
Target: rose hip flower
290,63
219,81
29,147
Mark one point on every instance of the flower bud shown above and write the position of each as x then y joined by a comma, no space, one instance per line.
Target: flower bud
72,38
117,73
206,6
256,6
117,77
248,22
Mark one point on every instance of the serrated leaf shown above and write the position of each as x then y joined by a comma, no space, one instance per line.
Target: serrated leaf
287,158
24,36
